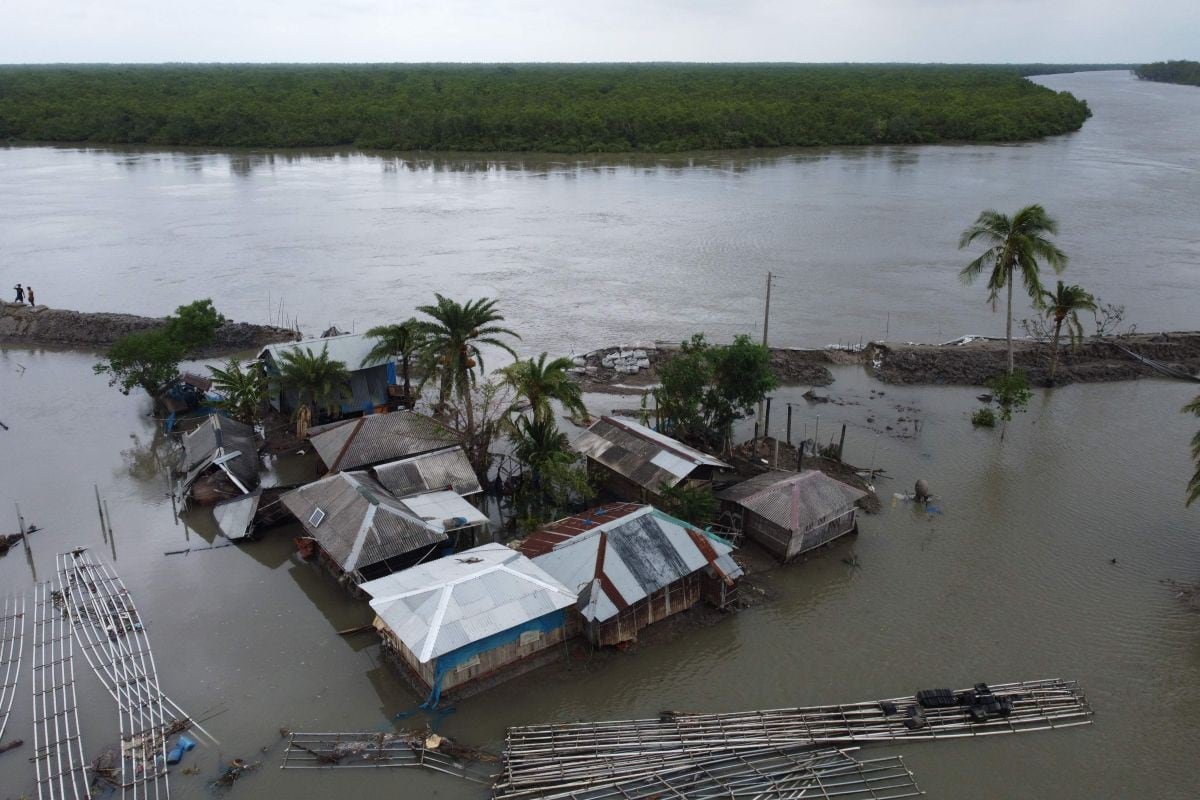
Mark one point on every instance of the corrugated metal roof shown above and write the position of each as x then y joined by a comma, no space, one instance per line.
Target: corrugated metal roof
441,469
377,438
441,508
216,438
796,501
623,560
349,348
362,524
645,456
545,538
438,607
235,516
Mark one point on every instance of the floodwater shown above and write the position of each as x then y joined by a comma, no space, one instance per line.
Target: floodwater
1014,578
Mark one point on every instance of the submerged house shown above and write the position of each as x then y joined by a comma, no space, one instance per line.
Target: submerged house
378,438
632,565
219,460
634,462
789,513
359,530
464,622
435,486
370,380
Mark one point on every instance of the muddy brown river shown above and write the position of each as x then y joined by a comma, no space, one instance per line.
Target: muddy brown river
1013,579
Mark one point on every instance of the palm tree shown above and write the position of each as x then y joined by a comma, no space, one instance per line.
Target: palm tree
403,341
539,383
540,445
452,341
1193,487
242,391
1063,306
320,382
1016,243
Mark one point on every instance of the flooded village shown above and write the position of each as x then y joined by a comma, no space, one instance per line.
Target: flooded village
503,533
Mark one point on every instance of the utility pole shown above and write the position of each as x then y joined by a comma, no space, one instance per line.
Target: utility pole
766,325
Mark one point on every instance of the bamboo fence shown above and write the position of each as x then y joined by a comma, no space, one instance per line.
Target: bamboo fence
12,639
382,750
58,759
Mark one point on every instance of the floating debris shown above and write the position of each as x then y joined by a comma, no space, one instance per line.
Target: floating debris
400,749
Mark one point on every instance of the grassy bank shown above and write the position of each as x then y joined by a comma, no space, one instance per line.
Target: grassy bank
1187,72
529,107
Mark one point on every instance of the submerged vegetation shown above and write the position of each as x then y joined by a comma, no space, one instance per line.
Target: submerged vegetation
149,359
1187,72
531,107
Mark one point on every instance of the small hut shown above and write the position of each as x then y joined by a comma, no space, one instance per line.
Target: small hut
790,513
634,462
632,566
370,382
219,460
378,438
461,623
360,531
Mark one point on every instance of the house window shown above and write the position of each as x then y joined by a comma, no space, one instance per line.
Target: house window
530,637
316,518
473,661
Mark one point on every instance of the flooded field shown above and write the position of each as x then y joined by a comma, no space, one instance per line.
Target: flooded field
1015,577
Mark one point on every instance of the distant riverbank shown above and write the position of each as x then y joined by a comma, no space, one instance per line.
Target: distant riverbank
22,324
556,108
1186,73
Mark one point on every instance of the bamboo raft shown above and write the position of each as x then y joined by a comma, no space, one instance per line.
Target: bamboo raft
12,639
381,750
57,748
573,759
109,629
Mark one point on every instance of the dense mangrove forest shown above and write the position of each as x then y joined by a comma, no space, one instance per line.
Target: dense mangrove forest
531,107
1187,72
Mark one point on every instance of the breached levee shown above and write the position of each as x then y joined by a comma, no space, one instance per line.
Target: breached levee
23,324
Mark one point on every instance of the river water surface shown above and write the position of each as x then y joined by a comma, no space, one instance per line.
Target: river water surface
1013,580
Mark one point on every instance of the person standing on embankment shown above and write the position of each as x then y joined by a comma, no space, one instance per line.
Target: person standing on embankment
20,293
29,290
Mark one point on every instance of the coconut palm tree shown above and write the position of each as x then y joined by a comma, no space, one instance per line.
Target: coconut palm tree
453,336
540,445
320,382
1063,306
403,342
537,383
1193,487
1016,243
243,390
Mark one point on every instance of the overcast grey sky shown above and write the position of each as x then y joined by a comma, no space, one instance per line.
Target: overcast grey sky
598,30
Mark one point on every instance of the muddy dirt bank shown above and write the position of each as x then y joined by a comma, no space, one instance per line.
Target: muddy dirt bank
973,363
634,369
22,324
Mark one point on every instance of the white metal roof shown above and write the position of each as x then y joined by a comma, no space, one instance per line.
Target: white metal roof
438,607
643,552
349,348
439,508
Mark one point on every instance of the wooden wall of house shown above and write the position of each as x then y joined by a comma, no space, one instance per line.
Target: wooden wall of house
671,599
617,485
490,663
783,543
827,532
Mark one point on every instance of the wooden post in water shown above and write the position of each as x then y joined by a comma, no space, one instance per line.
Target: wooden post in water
842,443
766,324
21,526
789,423
767,420
100,511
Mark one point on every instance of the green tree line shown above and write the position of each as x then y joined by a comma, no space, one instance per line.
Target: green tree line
530,107
1170,72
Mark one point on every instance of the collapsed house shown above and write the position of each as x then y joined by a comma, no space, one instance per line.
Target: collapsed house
378,438
359,530
467,621
632,565
789,513
219,461
371,383
633,462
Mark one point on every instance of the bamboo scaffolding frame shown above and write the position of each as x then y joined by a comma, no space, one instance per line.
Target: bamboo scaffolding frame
375,750
12,640
58,759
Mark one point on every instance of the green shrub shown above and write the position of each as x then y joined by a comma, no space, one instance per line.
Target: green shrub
984,418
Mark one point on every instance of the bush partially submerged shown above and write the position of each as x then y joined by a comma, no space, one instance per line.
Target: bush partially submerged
984,418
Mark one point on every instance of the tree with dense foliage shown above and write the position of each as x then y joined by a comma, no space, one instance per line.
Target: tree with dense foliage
704,388
1012,394
148,360
1062,306
1015,243
531,107
1193,487
554,478
538,383
690,502
403,342
243,389
195,325
1185,72
453,337
320,383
